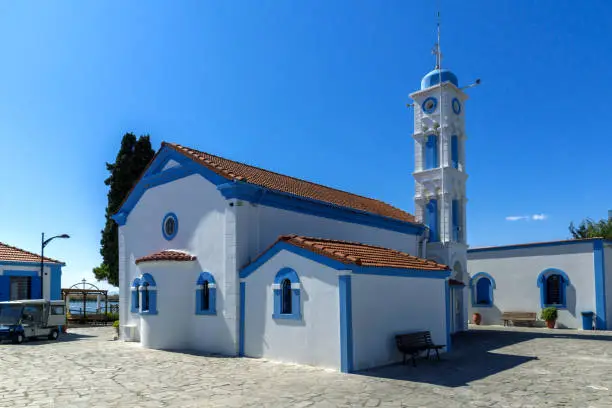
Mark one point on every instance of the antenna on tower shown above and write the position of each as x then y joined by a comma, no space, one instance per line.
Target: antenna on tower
436,49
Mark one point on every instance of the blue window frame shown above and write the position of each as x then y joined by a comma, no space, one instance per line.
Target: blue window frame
170,226
431,152
455,151
287,289
429,105
206,295
553,288
135,304
431,219
482,285
148,294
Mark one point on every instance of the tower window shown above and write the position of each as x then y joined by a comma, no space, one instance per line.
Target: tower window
431,220
431,152
429,105
456,219
455,151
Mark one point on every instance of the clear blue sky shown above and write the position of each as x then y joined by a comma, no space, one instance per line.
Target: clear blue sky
314,89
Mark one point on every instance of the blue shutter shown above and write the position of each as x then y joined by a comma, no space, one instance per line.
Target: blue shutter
35,288
431,152
5,288
455,151
153,301
432,220
133,307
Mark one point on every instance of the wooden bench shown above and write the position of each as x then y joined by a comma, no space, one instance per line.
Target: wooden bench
529,317
415,343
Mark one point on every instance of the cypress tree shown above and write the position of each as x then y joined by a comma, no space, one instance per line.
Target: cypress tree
133,157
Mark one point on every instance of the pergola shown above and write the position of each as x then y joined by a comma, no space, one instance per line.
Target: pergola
86,290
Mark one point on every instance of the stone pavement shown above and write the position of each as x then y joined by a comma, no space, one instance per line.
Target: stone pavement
487,368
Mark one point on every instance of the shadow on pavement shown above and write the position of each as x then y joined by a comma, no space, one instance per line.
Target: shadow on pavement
471,358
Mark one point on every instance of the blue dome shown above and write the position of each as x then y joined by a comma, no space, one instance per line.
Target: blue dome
433,78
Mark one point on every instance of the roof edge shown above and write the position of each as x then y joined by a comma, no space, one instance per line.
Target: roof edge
537,245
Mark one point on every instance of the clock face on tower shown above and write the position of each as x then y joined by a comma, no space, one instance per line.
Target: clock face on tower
456,106
430,104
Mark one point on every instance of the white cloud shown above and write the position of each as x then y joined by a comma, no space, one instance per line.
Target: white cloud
517,217
534,217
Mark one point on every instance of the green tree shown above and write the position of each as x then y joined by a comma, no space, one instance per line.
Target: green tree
589,228
132,159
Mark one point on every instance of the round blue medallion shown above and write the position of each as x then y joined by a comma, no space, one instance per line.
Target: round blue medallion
170,226
456,106
429,105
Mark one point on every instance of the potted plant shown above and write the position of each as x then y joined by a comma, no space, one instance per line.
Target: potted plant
476,318
116,326
550,315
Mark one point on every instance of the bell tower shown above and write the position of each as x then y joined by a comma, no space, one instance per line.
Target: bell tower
440,166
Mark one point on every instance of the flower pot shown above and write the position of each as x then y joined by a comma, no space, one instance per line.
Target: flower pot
476,318
551,324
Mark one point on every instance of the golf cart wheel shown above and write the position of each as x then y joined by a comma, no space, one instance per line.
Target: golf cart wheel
18,339
54,335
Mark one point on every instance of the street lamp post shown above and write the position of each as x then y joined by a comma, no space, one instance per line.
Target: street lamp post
43,244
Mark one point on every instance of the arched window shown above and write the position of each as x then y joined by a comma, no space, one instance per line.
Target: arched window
553,287
135,304
455,151
287,289
286,296
206,295
482,285
148,294
431,152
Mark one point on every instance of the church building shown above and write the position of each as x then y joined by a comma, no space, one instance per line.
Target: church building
222,257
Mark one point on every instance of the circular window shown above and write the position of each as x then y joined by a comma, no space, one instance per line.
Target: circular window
456,106
430,104
170,226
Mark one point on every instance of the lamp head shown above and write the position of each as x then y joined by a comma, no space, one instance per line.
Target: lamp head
64,236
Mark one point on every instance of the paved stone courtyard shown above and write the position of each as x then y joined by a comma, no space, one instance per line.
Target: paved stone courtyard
488,368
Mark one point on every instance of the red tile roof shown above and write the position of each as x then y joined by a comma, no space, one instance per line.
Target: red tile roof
11,253
361,254
232,170
167,255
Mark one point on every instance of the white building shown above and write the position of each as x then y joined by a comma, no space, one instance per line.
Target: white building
573,276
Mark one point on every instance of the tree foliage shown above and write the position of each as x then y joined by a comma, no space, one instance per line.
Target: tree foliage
132,159
589,228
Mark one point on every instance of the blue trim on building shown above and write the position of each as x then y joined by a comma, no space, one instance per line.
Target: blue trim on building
400,272
56,282
473,289
256,194
21,273
541,282
212,295
241,332
176,226
432,155
601,322
31,264
535,245
296,305
449,310
346,324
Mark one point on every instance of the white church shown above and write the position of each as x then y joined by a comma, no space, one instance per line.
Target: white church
223,257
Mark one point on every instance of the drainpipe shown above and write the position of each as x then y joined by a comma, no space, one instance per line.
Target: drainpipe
423,243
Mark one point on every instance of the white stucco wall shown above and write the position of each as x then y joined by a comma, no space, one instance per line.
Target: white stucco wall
608,275
384,306
313,340
516,271
201,212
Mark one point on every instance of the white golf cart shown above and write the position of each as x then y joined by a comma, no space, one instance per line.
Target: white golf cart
26,319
